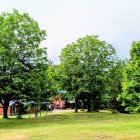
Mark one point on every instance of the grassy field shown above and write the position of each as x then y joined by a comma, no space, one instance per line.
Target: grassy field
73,126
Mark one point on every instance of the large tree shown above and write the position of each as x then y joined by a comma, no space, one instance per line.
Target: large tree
22,61
130,96
84,64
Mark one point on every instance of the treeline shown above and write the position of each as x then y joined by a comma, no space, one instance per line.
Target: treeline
91,73
89,69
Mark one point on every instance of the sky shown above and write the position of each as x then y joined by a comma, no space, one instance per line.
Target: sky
115,21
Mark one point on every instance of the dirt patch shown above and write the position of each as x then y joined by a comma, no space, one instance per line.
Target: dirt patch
16,137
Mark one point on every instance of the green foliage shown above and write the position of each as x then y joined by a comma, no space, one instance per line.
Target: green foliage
22,61
84,65
53,76
130,96
114,85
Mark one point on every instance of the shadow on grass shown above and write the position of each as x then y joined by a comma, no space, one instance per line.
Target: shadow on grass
66,119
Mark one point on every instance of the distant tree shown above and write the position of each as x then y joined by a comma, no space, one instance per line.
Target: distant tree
22,61
130,96
53,76
84,65
114,85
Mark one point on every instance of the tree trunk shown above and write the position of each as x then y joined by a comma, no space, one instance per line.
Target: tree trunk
21,111
96,105
5,108
88,104
36,111
5,104
76,105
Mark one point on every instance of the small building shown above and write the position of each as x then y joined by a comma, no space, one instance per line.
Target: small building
59,103
1,110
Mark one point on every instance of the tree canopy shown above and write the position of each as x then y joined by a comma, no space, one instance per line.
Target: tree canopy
84,64
22,61
130,96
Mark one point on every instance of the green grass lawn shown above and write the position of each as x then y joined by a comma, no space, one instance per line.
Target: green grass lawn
73,126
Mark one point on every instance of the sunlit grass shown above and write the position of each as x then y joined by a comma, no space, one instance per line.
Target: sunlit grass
72,126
